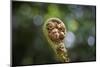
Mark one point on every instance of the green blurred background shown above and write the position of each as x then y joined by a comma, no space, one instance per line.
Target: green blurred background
29,45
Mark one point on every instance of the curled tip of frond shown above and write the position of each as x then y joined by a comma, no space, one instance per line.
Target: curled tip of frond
56,29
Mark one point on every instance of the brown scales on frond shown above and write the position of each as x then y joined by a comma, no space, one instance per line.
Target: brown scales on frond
56,31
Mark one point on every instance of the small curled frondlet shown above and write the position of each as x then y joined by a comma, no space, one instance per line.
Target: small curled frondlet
56,30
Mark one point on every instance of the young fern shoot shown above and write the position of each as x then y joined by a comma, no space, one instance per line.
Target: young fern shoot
54,31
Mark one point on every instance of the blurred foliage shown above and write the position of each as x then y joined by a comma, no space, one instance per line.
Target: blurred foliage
28,43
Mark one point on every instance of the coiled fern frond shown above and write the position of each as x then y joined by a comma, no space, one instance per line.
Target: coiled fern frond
54,31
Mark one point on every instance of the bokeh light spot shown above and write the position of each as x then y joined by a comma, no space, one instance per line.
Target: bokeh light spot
69,40
37,20
91,40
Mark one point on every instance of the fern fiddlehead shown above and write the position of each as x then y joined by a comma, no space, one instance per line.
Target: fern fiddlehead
54,31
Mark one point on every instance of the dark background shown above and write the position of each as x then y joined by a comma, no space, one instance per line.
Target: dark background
29,45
